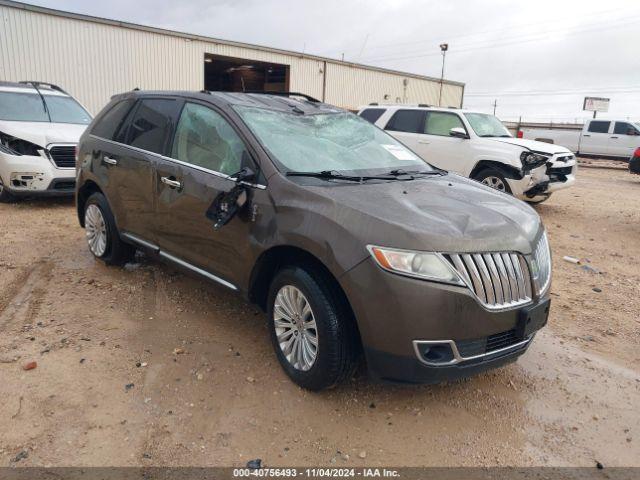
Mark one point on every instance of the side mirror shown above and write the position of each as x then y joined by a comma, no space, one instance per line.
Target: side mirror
244,175
458,132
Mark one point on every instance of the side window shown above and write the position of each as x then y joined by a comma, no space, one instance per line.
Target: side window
440,123
372,114
599,127
108,125
151,125
624,128
411,121
204,138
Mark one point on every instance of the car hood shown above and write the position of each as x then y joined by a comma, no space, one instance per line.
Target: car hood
534,145
43,133
444,214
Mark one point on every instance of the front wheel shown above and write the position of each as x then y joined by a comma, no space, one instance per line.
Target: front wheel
102,234
311,329
494,179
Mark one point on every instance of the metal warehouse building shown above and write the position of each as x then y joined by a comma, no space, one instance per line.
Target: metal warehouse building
94,58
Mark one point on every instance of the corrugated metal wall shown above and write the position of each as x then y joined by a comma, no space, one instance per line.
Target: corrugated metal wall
94,60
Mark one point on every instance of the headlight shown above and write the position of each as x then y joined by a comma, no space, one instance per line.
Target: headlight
17,146
533,159
428,266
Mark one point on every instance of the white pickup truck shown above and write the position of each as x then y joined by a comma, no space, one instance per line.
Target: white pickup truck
478,146
605,138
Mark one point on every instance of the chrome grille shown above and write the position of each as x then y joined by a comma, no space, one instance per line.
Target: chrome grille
499,280
64,156
541,265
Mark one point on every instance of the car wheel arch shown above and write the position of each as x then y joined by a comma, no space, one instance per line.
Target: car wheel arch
87,189
508,171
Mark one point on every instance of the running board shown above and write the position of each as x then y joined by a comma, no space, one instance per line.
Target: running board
179,261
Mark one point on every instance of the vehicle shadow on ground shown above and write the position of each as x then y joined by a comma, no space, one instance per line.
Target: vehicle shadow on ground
36,202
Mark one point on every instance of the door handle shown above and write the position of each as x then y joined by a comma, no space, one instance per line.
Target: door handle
109,160
424,142
586,135
171,182
614,137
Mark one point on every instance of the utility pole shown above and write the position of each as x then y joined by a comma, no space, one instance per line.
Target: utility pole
443,48
495,104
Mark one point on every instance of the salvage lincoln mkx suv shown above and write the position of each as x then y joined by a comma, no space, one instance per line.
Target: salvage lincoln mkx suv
347,240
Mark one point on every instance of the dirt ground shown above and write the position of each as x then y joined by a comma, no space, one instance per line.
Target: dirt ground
109,389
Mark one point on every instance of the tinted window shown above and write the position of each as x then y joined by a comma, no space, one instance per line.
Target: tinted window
372,114
440,123
204,138
622,128
599,127
109,124
151,125
407,121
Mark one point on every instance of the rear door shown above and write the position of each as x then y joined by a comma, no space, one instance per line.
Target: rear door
148,132
595,141
624,140
443,150
407,125
205,152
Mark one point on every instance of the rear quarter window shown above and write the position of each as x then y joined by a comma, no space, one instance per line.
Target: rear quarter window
151,127
108,125
372,114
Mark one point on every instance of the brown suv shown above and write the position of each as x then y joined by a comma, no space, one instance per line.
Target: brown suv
344,237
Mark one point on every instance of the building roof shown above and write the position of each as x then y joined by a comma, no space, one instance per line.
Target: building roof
190,36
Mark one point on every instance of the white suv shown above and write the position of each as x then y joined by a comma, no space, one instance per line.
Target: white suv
478,146
40,125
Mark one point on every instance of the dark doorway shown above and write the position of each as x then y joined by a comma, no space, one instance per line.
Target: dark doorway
229,74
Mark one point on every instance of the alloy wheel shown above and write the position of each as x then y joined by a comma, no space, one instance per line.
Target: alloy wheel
295,327
495,183
96,230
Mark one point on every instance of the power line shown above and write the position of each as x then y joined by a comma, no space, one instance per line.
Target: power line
433,40
505,43
526,93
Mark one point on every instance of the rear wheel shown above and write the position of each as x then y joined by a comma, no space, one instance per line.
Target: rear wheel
5,196
311,329
102,234
494,179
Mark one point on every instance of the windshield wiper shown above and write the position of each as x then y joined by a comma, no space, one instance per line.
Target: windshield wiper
333,175
399,171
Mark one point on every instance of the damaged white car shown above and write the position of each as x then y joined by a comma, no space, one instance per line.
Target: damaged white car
478,146
40,125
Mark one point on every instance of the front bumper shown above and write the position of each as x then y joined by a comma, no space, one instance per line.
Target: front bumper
397,312
634,165
541,182
26,175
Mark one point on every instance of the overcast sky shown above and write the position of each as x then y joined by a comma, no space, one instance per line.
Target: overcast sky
556,51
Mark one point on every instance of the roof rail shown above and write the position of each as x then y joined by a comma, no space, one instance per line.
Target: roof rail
373,104
424,105
286,94
37,83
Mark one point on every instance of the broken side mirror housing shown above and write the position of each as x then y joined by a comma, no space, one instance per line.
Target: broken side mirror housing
245,174
458,132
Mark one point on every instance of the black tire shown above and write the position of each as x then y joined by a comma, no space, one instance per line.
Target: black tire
487,173
337,352
5,195
116,252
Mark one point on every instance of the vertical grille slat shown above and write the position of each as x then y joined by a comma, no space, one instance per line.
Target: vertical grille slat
486,278
64,156
498,279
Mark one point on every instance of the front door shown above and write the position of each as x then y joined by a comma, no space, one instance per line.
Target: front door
206,151
595,141
443,150
624,140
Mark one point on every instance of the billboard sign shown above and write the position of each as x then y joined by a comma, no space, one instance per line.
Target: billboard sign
596,104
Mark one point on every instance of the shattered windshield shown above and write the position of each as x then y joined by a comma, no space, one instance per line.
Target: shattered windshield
487,125
28,107
340,142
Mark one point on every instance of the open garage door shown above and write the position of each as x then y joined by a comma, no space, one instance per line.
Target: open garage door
229,74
